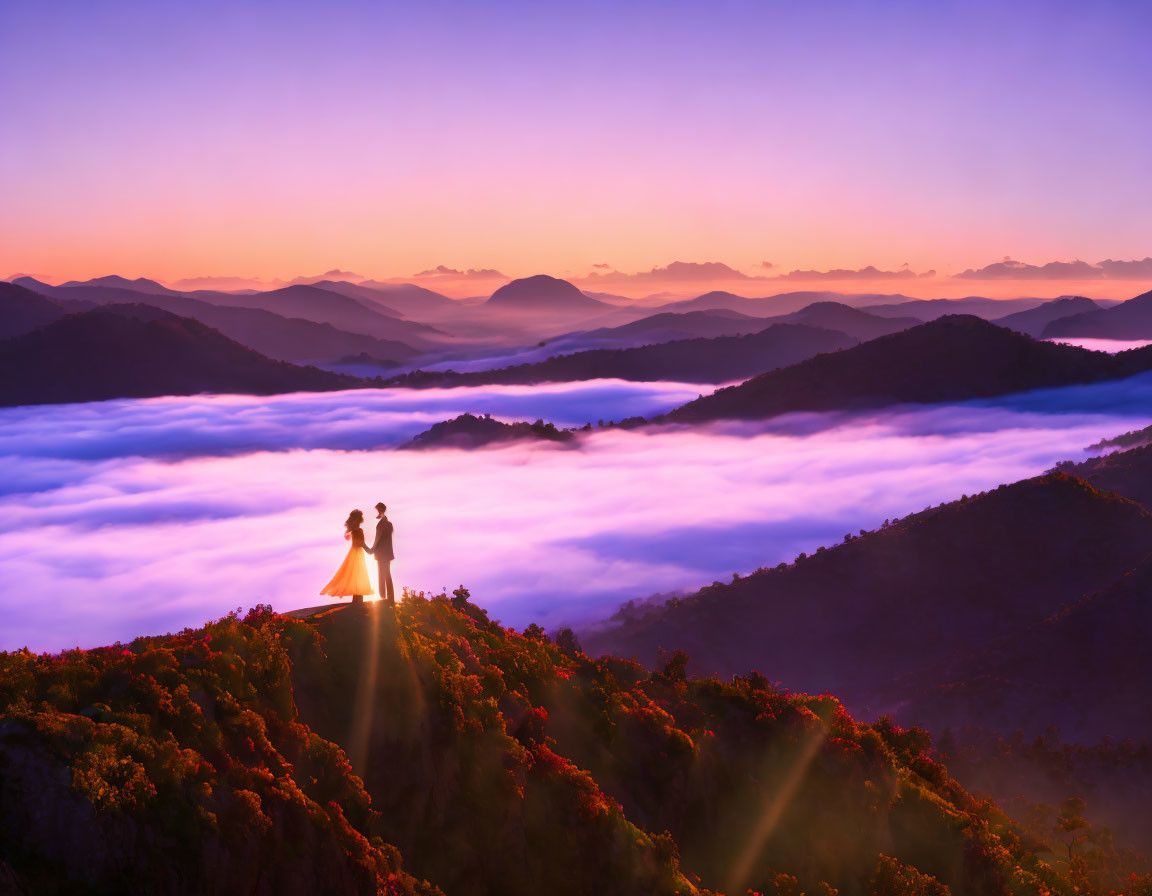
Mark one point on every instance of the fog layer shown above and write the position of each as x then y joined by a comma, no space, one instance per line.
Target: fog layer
132,517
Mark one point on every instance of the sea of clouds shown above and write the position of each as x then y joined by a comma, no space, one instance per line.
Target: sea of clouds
123,518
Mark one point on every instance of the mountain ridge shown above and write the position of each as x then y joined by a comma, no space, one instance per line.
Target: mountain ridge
544,294
953,358
719,359
141,352
930,593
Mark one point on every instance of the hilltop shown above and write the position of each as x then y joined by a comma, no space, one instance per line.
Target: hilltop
354,315
668,326
22,310
139,352
1034,321
908,606
371,751
1128,320
671,326
954,358
470,431
1128,473
718,360
542,293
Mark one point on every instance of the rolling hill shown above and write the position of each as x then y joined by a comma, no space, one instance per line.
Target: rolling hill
542,294
1034,321
669,326
471,431
911,607
854,322
283,338
1127,473
410,300
718,360
278,337
1128,320
1083,670
931,309
783,303
953,358
324,306
373,752
141,352
95,292
22,310
309,303
115,281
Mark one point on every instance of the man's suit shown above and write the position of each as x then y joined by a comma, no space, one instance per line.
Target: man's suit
382,550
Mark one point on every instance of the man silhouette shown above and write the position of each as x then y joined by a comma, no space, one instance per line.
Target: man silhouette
382,550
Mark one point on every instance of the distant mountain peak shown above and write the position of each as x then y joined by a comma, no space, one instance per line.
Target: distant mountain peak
544,294
953,358
334,274
1128,320
115,281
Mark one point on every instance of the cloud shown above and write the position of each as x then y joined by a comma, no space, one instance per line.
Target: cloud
676,272
683,273
455,274
1109,269
225,283
1126,270
124,518
334,274
866,273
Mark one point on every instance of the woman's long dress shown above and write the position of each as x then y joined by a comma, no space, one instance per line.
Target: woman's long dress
352,576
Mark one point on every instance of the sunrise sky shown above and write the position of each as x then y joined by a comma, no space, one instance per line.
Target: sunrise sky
272,139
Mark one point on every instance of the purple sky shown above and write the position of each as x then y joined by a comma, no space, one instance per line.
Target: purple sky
270,139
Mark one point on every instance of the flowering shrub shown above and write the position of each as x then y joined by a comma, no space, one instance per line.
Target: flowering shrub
269,755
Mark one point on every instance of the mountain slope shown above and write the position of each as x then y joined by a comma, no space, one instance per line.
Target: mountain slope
324,306
859,324
893,611
931,309
100,354
283,338
363,294
1085,670
1034,320
362,750
1127,473
544,294
718,360
408,299
115,281
951,359
670,326
783,303
1128,320
470,431
310,303
176,765
22,310
113,289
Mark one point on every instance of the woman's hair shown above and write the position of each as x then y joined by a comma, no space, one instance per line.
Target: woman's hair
355,518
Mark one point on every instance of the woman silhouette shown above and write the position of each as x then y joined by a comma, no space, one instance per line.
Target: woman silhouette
351,578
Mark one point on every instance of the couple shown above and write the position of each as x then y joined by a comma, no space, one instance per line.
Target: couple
351,579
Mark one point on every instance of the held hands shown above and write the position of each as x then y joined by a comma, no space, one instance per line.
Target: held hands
347,536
